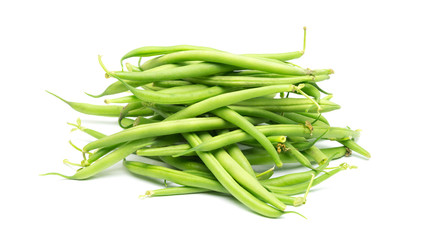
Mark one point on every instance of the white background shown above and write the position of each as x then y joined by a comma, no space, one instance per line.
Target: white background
377,49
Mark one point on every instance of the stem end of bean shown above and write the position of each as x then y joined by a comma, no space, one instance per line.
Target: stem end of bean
58,174
146,195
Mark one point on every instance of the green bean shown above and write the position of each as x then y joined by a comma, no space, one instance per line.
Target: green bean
302,187
351,144
295,178
148,51
108,160
125,99
170,191
230,184
159,129
103,110
153,51
310,108
256,102
257,156
236,119
172,175
269,130
181,72
229,98
240,61
246,81
164,151
183,98
241,176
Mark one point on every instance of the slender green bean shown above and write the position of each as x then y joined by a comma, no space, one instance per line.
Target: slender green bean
295,178
229,98
302,187
160,129
310,108
125,99
174,98
103,110
181,72
148,51
269,130
170,191
248,81
108,160
164,151
239,61
280,102
177,176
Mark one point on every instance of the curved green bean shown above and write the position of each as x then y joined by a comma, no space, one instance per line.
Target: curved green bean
302,187
176,98
108,160
103,110
239,61
268,130
248,81
148,51
172,175
159,129
229,98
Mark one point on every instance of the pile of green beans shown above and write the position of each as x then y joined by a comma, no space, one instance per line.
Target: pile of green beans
214,121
